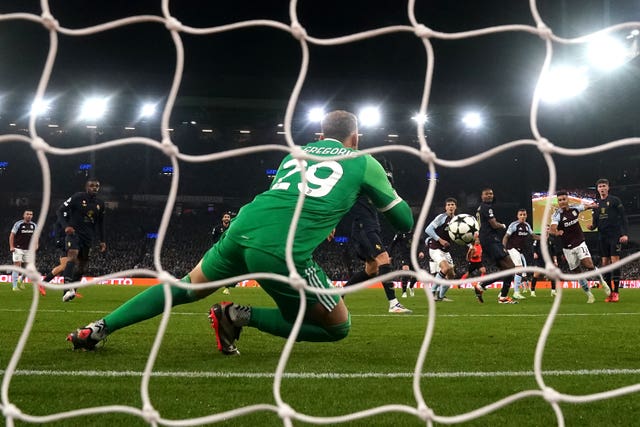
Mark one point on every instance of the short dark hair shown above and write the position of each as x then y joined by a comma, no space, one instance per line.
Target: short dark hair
522,210
450,199
602,181
561,193
339,125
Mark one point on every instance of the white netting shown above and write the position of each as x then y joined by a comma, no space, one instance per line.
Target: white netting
296,30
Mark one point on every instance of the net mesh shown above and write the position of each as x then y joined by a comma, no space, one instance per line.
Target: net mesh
296,30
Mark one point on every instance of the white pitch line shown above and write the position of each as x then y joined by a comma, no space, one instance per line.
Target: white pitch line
187,313
321,375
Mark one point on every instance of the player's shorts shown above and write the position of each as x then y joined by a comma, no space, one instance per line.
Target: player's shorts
575,255
433,268
227,259
438,255
475,266
367,243
517,257
610,245
73,241
493,250
20,255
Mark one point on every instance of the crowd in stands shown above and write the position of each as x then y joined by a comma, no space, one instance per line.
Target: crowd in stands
131,238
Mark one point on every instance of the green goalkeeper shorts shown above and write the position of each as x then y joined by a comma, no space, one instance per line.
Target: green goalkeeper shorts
227,259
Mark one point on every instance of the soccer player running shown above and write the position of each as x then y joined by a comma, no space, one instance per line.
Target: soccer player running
439,243
400,249
492,246
538,261
367,243
515,240
475,266
256,242
82,218
565,223
612,223
19,239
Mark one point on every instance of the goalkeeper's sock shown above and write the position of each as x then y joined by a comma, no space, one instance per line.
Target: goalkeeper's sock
48,277
534,282
146,305
270,320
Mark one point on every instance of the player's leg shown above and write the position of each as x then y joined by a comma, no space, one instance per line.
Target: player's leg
504,262
616,253
220,262
14,273
327,317
580,257
606,252
516,258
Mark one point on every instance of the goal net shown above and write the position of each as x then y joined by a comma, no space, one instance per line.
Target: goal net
434,157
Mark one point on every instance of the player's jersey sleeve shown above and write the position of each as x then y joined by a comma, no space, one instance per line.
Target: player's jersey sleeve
555,218
16,226
377,187
512,228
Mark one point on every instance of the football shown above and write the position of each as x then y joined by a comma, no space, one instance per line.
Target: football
461,229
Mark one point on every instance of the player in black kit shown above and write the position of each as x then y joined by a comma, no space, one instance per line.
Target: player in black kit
82,217
367,243
611,222
492,247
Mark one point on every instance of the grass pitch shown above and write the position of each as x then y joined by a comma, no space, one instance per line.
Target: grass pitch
479,354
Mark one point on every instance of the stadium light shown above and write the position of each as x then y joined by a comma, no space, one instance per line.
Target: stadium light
147,110
369,116
93,108
316,114
563,83
607,53
420,118
40,107
472,120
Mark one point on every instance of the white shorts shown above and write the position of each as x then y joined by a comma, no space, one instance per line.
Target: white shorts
433,268
575,255
517,257
20,255
438,255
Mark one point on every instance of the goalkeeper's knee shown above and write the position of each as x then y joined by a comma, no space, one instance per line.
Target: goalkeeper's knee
340,331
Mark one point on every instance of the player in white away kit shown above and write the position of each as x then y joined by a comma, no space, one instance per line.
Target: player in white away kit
439,243
515,240
565,223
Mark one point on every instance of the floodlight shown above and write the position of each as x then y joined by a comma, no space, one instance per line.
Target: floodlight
369,116
147,110
93,108
316,114
607,53
420,118
40,107
472,120
562,83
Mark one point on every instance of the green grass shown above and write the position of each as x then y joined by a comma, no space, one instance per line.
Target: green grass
481,353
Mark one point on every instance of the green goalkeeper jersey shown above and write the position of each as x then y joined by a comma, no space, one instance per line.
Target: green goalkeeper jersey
332,188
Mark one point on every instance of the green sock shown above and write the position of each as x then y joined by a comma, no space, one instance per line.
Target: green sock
146,305
270,320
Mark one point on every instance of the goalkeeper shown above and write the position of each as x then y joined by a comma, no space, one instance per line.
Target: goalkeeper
249,246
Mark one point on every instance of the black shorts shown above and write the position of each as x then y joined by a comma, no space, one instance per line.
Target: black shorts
493,250
474,266
367,244
73,241
610,245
